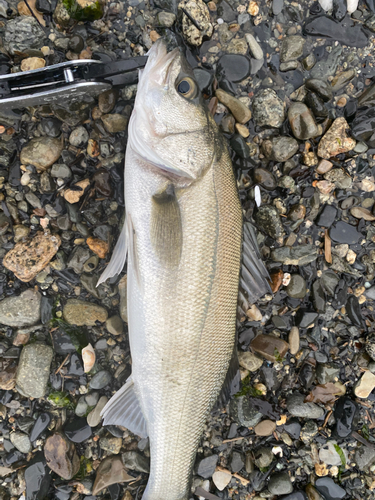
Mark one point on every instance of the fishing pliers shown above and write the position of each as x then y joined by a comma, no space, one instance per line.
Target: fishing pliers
66,81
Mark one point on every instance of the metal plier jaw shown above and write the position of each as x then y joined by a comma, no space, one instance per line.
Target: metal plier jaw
66,81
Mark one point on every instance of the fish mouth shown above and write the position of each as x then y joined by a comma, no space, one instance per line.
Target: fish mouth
159,64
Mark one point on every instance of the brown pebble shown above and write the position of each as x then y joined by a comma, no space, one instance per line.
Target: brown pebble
270,347
294,340
265,428
276,280
324,167
73,195
31,63
98,246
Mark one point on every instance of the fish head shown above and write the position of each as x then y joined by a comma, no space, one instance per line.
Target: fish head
171,127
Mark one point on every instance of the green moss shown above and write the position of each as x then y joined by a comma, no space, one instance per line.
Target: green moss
60,399
247,389
91,12
85,468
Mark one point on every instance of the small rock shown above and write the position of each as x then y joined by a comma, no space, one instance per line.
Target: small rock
365,386
255,48
249,361
206,466
22,34
100,380
243,412
110,471
41,152
270,347
240,111
166,19
78,430
293,340
74,195
107,100
31,63
297,287
329,489
265,428
135,461
79,312
268,109
324,167
79,137
298,408
263,457
113,444
198,11
28,258
114,325
336,141
98,246
308,432
302,121
221,479
33,369
364,457
21,441
329,455
280,484
254,314
115,123
94,418
61,456
280,149
291,48
122,290
8,377
20,311
298,256
268,219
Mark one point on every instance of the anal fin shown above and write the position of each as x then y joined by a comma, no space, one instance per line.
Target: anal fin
124,409
117,262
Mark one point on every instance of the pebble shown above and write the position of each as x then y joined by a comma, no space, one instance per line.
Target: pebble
329,455
41,424
291,48
78,430
221,479
298,256
207,466
112,444
133,460
22,310
110,471
79,137
329,489
342,232
270,347
302,121
298,408
308,431
293,340
265,428
243,412
33,370
23,34
364,457
336,140
115,122
37,478
41,152
166,19
268,219
263,457
254,47
28,258
31,63
365,386
297,287
122,290
114,325
21,441
80,313
249,361
280,484
240,111
280,149
98,246
74,195
94,418
198,10
268,109
100,380
61,456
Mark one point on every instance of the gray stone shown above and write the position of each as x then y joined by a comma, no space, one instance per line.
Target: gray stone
288,66
207,466
263,457
249,361
268,109
22,34
298,408
328,65
255,48
302,121
135,461
94,417
329,455
115,325
20,311
268,219
236,463
21,441
295,256
92,398
81,408
166,19
364,457
61,170
297,287
280,149
33,370
291,48
309,431
79,137
33,200
78,258
100,380
243,412
280,484
327,372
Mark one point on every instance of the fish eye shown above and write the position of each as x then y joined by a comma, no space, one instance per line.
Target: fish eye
187,88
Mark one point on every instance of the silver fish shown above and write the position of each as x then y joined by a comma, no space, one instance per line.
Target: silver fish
183,239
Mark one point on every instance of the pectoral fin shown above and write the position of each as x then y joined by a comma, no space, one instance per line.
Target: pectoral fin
117,262
124,409
166,226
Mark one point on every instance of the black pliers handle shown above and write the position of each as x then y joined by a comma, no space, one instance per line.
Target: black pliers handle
66,81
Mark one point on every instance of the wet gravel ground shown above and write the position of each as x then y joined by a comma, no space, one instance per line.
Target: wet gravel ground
291,87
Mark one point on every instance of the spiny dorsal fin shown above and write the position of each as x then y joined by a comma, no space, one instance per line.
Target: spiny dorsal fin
166,226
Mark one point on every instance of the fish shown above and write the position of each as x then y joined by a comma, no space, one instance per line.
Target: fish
183,240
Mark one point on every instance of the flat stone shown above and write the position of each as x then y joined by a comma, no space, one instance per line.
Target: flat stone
295,256
342,232
41,152
100,380
33,369
239,110
249,361
61,456
298,408
94,418
110,471
268,109
221,479
336,141
302,121
74,195
263,457
111,444
364,457
280,484
22,310
270,347
280,149
291,48
206,466
265,428
254,47
293,340
27,258
324,167
21,441
243,412
114,325
297,287
329,489
329,455
365,386
115,122
79,312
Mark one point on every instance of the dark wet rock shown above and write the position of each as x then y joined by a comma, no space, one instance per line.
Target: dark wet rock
327,372
268,220
280,484
238,144
302,121
243,412
51,126
316,104
353,310
298,408
295,256
110,471
305,319
33,369
23,34
78,430
297,287
265,178
345,32
237,462
291,48
346,416
100,380
293,428
204,78
268,109
342,232
280,149
327,66
277,7
37,478
270,347
329,489
76,44
22,310
339,9
297,495
363,125
329,282
79,137
318,297
206,467
41,424
234,67
61,456
133,460
327,216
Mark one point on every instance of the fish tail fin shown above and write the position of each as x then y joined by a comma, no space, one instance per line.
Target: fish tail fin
124,409
118,258
254,277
